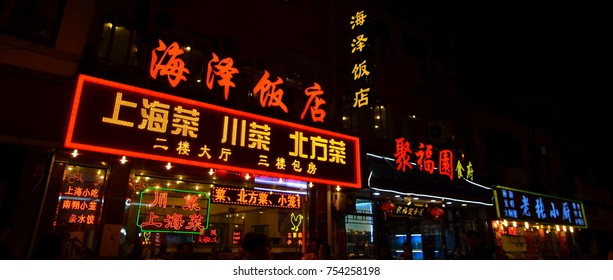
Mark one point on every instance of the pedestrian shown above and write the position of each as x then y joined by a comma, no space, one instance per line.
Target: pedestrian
323,250
137,251
475,249
457,254
5,252
498,253
256,246
49,247
311,251
185,251
163,253
407,253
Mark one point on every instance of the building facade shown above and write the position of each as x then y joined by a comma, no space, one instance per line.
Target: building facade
164,122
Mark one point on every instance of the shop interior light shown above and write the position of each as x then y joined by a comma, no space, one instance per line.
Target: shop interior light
310,184
505,223
123,160
564,228
75,153
247,176
168,166
296,184
526,225
557,227
338,188
279,191
571,229
211,172
514,223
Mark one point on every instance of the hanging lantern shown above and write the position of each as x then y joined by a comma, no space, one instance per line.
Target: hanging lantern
437,212
388,207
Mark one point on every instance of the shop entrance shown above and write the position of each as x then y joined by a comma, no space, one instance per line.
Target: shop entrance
406,230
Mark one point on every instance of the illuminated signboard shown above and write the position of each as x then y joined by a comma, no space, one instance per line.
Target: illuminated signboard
359,46
173,210
80,198
114,118
294,235
424,158
521,205
209,236
250,197
410,210
166,61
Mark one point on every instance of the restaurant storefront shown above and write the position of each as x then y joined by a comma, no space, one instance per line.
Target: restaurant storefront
537,226
426,197
146,167
105,211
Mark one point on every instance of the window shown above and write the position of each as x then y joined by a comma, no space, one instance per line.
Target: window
117,45
36,21
359,230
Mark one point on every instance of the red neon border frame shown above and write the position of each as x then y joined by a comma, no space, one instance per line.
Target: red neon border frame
75,108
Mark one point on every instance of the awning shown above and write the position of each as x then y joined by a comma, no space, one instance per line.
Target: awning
384,177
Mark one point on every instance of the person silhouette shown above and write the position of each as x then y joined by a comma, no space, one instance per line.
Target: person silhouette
256,246
407,253
475,249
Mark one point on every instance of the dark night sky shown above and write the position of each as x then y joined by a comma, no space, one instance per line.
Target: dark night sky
560,51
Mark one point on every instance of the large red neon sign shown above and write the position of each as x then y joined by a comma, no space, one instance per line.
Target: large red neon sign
119,119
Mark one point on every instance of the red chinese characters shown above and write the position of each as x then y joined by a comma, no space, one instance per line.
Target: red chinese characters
168,64
424,161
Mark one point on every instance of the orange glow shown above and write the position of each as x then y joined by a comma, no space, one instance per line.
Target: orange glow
172,67
317,114
223,70
269,94
250,197
159,210
361,97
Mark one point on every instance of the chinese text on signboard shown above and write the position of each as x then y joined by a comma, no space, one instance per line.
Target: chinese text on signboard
128,121
520,205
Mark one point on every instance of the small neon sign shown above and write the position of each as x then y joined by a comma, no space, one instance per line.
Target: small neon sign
251,197
172,210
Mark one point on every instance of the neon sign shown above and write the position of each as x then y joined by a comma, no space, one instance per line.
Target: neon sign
360,68
172,210
119,119
294,235
410,210
424,158
80,198
168,63
514,204
250,197
209,236
296,220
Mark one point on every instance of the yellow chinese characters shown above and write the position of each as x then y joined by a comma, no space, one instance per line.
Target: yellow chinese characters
321,149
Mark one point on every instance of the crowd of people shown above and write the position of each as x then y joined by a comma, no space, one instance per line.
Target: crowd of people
254,246
257,246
